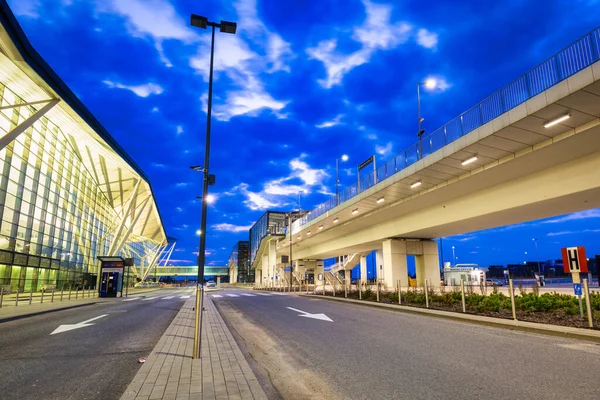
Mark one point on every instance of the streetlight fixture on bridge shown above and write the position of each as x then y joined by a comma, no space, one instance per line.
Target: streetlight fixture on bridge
429,84
344,158
225,27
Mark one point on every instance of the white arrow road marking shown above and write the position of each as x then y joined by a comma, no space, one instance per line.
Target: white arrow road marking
185,297
70,327
232,295
248,294
322,317
150,298
216,295
132,299
168,297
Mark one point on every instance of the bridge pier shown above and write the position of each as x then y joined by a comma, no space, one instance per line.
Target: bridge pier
394,262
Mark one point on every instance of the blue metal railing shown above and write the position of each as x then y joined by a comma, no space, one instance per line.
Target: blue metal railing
572,59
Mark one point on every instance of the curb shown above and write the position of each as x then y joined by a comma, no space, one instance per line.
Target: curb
532,327
33,314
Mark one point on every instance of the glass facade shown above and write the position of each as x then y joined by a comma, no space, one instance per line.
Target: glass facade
54,218
271,223
240,258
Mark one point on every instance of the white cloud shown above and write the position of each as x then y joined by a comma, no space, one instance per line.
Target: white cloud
328,124
244,58
155,109
575,216
377,32
231,228
179,129
26,8
427,39
181,185
384,150
179,209
158,165
144,90
561,233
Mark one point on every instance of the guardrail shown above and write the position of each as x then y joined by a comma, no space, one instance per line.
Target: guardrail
567,62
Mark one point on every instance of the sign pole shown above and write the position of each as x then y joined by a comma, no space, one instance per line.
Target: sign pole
588,303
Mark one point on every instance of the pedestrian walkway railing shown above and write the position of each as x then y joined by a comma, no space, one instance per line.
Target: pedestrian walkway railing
567,62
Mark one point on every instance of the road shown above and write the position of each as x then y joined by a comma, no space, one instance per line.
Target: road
367,353
92,362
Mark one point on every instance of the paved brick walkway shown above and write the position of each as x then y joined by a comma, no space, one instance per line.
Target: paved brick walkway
170,372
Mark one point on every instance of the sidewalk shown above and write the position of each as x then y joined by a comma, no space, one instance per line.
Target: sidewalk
170,372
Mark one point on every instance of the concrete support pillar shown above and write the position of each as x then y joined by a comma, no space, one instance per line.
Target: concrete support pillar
379,264
218,282
428,264
299,269
394,262
272,254
363,268
266,276
319,272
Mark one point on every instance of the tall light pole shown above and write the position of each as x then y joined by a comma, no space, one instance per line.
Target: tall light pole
225,27
344,158
537,255
453,256
429,84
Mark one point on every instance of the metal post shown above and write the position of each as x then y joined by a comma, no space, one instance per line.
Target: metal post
17,298
196,323
70,288
42,298
426,293
462,292
377,282
1,296
359,289
291,261
52,298
76,292
31,294
399,293
62,291
345,287
588,303
511,288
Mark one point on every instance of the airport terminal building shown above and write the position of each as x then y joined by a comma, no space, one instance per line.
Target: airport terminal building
68,192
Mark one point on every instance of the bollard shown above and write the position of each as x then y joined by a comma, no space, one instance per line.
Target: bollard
76,293
62,291
17,298
512,298
399,293
359,289
52,298
333,286
377,282
42,298
588,303
30,295
346,288
70,288
462,292
426,293
1,296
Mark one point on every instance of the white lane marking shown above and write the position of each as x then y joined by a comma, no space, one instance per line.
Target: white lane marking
131,299
70,327
263,294
185,297
168,297
319,316
232,295
216,295
248,294
150,298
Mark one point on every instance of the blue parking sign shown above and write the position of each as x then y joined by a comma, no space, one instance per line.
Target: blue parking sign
577,289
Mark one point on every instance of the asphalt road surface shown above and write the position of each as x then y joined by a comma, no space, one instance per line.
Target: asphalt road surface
90,362
367,353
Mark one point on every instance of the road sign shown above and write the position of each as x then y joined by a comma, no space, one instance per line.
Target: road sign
577,289
574,259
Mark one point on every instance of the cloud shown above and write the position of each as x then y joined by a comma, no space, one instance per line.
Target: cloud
328,124
181,185
575,216
245,58
561,233
158,165
179,129
144,90
384,150
377,32
179,209
427,39
26,8
231,228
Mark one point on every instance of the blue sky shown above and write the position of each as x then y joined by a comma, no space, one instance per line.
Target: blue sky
301,83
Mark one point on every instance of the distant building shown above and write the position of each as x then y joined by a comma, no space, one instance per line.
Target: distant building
239,263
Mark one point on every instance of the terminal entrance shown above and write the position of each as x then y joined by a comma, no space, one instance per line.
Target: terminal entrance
110,284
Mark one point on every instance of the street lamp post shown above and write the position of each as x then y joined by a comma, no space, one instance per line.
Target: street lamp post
344,157
225,27
537,256
430,84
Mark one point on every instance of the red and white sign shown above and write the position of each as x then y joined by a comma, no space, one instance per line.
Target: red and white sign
574,259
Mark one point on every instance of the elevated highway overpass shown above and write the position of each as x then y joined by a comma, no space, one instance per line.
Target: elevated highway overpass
529,151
